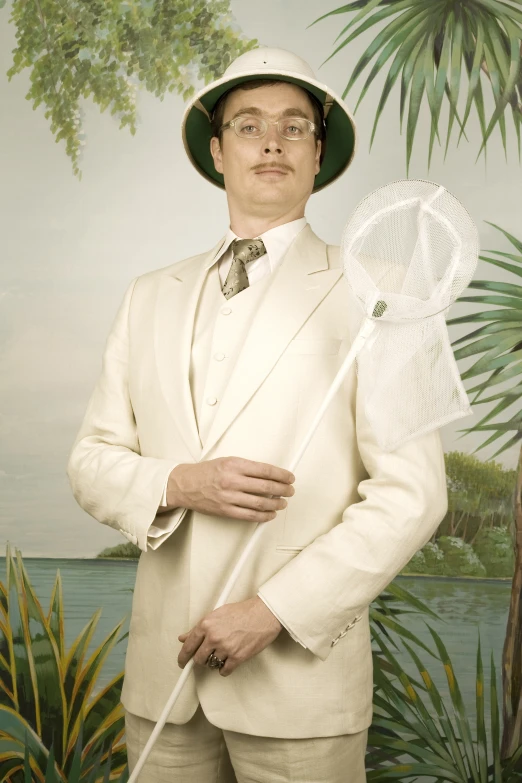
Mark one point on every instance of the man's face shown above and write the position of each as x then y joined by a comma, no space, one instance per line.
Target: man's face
271,171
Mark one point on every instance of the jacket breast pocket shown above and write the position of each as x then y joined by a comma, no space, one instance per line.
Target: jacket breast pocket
310,345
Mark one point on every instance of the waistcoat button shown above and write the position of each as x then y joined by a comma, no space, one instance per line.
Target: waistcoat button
219,356
226,310
211,400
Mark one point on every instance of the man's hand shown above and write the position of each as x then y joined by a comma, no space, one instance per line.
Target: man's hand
231,487
236,632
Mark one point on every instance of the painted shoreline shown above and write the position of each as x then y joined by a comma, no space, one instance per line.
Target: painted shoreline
439,577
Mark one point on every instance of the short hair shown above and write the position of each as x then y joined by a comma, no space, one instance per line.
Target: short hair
216,120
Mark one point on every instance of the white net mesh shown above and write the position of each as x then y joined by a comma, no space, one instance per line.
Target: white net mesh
408,251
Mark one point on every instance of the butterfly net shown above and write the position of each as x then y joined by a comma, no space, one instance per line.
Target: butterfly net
408,251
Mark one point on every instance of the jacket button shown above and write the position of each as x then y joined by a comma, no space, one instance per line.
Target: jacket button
211,400
226,310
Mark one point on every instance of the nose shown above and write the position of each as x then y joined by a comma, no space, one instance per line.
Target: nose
272,140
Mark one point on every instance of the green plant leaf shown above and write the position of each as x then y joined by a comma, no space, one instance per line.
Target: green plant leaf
396,41
380,14
517,244
417,92
407,75
342,10
16,728
492,344
399,60
485,364
55,615
21,658
47,666
505,301
455,73
74,661
391,33
499,287
86,680
511,78
482,740
474,75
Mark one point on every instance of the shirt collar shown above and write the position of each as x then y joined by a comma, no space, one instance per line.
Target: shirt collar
277,240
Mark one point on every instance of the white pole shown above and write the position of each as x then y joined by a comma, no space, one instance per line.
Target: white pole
366,329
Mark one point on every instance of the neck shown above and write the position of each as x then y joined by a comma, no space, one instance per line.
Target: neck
247,225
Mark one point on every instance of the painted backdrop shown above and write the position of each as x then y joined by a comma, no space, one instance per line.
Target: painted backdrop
95,189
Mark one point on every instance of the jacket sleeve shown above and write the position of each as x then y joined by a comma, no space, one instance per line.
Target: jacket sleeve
108,476
325,589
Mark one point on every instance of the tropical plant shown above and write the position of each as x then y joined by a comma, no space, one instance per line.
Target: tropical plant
411,719
94,755
432,43
75,776
499,339
104,49
47,693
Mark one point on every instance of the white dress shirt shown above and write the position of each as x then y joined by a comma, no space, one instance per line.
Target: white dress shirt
277,241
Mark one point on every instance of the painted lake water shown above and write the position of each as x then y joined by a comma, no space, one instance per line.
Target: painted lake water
464,606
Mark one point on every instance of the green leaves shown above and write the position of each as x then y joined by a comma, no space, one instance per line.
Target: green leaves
412,719
46,694
105,50
431,43
500,343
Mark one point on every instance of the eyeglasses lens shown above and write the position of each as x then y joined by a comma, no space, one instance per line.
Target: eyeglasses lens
289,127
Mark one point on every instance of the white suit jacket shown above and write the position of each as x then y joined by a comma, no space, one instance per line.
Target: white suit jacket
357,516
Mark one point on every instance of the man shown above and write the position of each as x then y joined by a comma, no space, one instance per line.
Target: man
212,374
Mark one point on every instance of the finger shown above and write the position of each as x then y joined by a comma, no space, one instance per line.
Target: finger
183,636
202,654
271,472
262,486
228,668
256,502
191,644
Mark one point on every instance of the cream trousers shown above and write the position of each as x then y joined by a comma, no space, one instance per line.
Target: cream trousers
199,752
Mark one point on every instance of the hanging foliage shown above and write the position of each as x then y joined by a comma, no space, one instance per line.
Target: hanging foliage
104,49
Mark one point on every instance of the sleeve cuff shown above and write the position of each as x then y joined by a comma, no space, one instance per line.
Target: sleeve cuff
294,637
164,526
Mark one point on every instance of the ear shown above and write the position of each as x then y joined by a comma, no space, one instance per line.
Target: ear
318,156
217,154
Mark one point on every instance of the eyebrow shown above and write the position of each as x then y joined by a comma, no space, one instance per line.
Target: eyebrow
255,110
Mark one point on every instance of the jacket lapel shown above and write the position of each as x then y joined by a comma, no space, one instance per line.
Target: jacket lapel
178,295
299,284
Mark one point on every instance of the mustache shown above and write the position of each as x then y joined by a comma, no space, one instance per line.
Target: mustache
263,166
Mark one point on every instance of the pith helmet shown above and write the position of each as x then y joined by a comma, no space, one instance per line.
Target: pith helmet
285,66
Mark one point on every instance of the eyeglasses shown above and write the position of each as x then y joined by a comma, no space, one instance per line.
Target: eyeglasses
292,128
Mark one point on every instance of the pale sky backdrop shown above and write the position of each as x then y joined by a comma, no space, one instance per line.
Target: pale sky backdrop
70,248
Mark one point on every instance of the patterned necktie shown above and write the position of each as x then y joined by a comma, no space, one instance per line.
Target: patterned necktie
243,250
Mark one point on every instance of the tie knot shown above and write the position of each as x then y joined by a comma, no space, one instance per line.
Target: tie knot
248,249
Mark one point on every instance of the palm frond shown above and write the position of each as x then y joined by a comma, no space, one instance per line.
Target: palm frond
432,44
